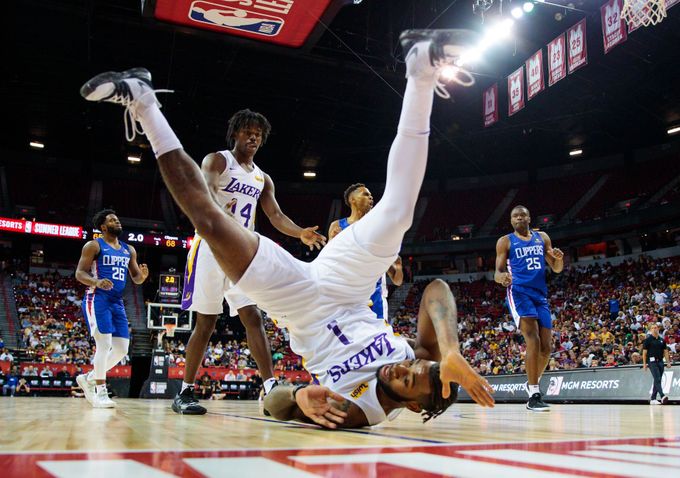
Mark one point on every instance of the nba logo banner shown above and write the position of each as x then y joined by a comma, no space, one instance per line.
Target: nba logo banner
576,43
516,91
283,22
557,68
535,81
491,105
613,26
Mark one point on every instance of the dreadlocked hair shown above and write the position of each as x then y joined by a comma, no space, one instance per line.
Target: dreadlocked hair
100,218
245,118
348,192
434,405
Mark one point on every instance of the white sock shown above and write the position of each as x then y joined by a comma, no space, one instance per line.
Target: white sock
158,130
185,386
268,385
534,389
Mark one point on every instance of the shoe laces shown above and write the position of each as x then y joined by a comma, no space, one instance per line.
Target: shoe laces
123,96
465,81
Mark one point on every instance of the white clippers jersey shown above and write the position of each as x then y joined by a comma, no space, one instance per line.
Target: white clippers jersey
245,187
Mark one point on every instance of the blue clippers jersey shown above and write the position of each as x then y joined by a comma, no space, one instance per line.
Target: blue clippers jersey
526,262
376,299
112,264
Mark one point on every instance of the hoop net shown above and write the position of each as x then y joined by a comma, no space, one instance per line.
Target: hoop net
643,13
170,329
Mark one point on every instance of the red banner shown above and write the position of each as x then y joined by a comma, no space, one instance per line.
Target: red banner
41,228
613,26
516,91
284,22
535,77
577,45
557,67
491,105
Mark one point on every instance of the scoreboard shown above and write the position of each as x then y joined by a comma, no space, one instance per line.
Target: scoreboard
169,286
150,239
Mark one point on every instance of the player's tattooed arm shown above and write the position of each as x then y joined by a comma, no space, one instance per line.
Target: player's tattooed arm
437,322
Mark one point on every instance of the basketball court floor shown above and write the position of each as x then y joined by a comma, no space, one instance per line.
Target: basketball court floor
65,437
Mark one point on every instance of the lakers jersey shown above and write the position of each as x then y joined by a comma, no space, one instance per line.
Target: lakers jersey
240,190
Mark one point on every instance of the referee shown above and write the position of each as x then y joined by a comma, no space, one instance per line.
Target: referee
653,351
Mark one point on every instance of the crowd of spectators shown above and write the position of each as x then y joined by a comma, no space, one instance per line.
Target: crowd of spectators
52,324
601,315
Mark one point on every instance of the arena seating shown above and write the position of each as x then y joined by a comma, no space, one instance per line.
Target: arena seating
586,333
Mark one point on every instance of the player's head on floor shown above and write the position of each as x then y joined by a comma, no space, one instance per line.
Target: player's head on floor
248,129
415,384
359,197
107,221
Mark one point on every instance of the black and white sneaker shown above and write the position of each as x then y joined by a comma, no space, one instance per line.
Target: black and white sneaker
427,52
536,404
664,400
186,404
130,88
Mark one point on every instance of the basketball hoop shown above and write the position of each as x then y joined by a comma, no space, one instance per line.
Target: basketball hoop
643,13
170,329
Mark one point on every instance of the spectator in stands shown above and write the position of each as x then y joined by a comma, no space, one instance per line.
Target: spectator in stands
63,374
23,389
2,341
241,377
229,376
46,372
205,386
9,387
6,355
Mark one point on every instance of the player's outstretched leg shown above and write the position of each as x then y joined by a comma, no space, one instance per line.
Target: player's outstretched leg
426,52
233,245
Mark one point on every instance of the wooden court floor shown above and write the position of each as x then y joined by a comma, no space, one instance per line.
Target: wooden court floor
65,437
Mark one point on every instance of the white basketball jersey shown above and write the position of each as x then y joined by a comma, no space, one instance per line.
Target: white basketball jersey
242,187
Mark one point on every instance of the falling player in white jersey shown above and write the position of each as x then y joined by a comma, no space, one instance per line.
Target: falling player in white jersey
236,184
360,200
365,372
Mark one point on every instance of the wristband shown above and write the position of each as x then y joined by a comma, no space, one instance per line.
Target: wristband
295,390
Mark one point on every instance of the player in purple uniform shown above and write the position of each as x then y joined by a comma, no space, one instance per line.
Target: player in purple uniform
103,266
520,266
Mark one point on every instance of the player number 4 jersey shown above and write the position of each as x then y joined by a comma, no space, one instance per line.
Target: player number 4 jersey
240,189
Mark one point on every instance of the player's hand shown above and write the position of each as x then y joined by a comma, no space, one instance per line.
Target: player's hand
314,403
104,284
669,364
644,366
311,238
556,254
454,368
145,271
506,279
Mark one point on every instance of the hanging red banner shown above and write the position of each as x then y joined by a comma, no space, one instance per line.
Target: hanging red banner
557,66
516,91
535,77
577,46
613,26
490,99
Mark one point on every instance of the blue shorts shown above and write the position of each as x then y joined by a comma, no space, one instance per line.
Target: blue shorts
527,302
105,314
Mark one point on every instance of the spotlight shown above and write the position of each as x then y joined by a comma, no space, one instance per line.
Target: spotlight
528,7
309,174
36,145
517,12
134,159
449,72
576,152
674,130
470,56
